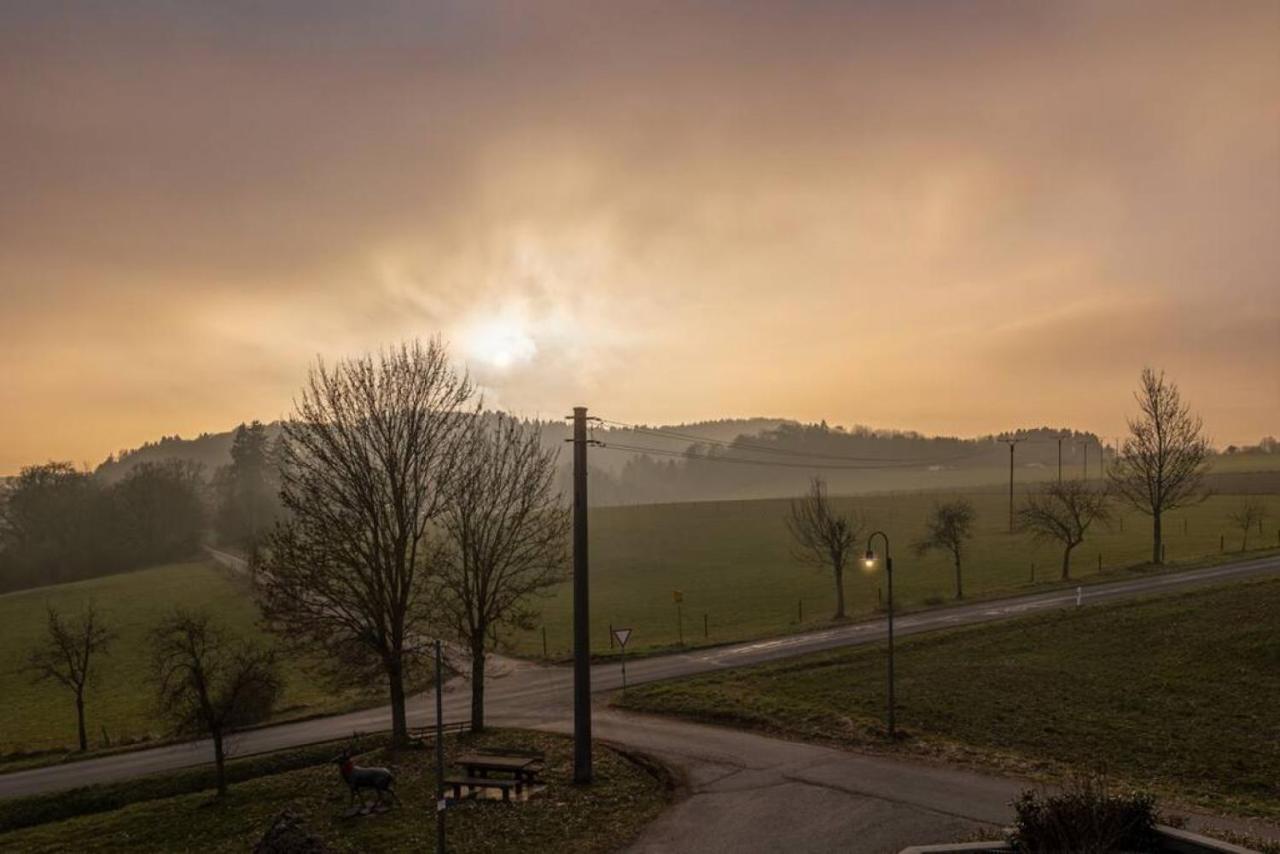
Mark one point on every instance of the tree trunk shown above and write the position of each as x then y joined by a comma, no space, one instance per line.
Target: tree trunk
839,593
84,739
1155,538
219,762
1066,561
395,684
477,682
959,584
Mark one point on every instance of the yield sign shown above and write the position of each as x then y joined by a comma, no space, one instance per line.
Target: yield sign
622,635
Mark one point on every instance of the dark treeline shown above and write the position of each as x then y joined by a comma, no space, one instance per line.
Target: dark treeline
58,524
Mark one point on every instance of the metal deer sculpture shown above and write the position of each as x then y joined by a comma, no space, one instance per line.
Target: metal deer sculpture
357,778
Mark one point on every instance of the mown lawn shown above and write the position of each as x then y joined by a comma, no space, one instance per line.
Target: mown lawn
42,717
564,818
1180,694
733,562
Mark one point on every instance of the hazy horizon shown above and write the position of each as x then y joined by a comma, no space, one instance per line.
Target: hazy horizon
948,219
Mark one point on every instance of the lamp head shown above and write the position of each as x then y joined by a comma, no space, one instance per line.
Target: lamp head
869,560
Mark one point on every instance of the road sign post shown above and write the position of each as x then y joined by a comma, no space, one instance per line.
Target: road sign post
622,636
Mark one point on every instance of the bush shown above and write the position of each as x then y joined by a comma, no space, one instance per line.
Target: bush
1086,818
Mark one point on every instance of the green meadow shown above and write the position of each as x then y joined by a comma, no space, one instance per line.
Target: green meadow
41,717
1179,694
733,564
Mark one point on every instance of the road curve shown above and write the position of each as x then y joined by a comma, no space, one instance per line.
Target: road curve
533,695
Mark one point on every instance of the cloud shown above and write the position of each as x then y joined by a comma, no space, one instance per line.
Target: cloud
691,209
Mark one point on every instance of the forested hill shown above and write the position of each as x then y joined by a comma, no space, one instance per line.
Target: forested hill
739,458
210,450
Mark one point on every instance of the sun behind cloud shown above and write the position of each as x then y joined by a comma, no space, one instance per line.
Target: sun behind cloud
500,342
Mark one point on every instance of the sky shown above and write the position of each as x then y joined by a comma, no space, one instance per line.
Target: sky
956,218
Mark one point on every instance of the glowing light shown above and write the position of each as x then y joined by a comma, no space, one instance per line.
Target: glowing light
500,342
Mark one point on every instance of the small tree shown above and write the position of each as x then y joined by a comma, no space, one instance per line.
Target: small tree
823,538
1244,517
210,682
69,655
948,527
506,538
1161,465
1063,513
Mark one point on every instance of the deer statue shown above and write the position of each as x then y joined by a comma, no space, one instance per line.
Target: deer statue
357,778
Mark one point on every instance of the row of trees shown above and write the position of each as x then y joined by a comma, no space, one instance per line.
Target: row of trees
1160,468
60,524
206,680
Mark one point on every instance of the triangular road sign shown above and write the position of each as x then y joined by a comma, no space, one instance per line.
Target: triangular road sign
622,635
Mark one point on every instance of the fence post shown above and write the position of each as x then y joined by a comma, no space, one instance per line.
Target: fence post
611,636
799,610
544,642
1099,561
705,631
1222,543
1164,547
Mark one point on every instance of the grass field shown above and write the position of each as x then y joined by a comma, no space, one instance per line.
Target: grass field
42,717
1180,694
565,817
732,561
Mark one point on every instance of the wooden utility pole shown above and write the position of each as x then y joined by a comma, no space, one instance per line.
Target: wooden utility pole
440,799
1085,445
581,608
1011,442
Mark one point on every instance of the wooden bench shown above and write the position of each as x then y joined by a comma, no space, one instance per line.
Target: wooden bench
503,784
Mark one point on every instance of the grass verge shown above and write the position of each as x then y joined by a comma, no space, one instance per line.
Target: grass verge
602,817
1180,694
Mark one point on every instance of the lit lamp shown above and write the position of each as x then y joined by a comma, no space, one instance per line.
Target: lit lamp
869,561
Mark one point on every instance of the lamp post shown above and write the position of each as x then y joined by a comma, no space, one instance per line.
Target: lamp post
870,562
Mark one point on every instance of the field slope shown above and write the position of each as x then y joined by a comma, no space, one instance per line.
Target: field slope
732,561
1180,694
42,717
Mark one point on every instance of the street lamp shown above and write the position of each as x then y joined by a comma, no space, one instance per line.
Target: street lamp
869,561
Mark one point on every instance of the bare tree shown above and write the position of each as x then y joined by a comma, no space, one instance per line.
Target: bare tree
506,538
69,655
209,682
367,462
948,527
1161,465
1244,517
823,538
1063,513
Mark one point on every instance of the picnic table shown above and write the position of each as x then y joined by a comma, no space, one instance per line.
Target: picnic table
523,766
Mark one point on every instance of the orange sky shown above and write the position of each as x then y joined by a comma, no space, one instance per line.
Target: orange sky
953,218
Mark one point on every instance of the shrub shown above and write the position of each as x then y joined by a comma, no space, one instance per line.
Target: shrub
1086,817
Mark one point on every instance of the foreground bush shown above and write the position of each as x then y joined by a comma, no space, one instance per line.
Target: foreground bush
1086,818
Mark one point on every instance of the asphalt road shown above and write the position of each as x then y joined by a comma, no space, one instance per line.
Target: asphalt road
799,797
